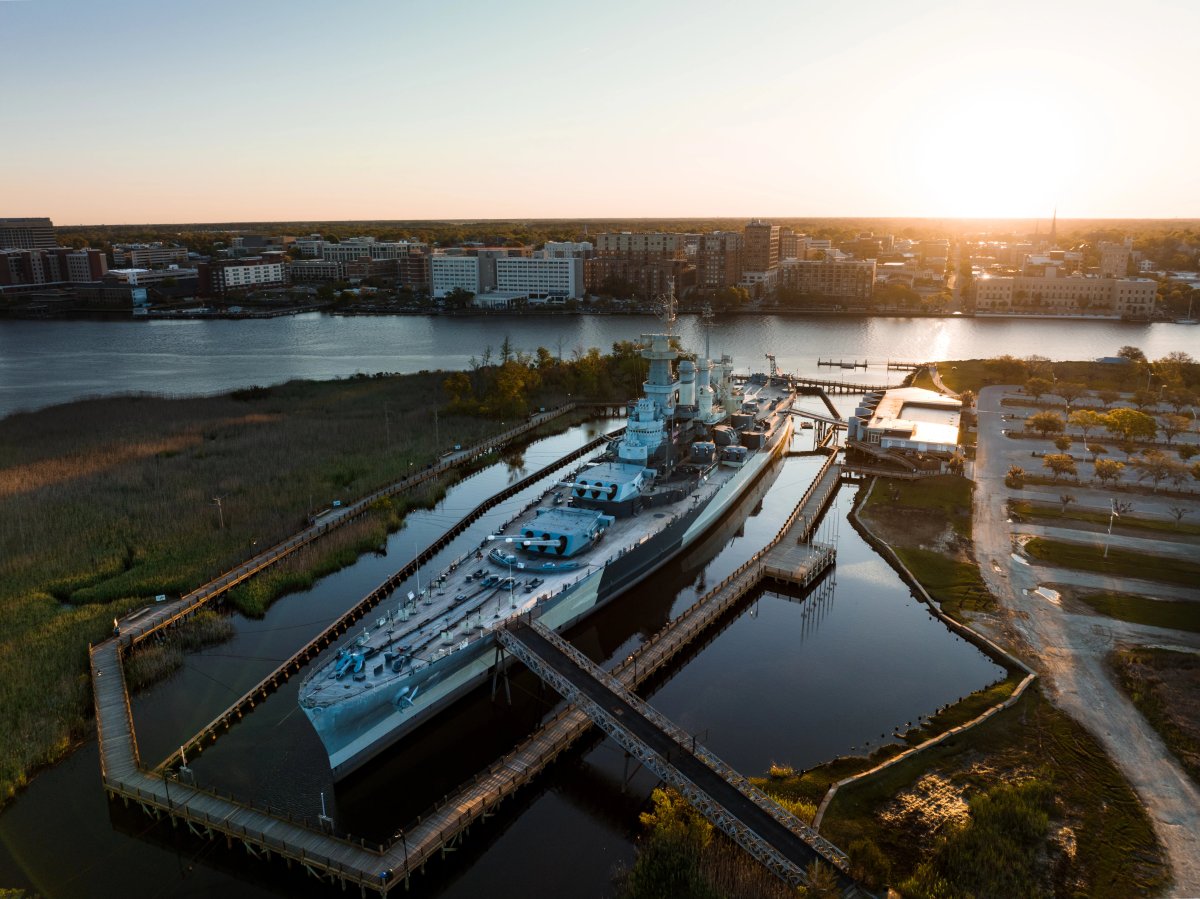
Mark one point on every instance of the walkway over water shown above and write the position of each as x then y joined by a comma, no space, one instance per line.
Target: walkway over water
265,832
773,835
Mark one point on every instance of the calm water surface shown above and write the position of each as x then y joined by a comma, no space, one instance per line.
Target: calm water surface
785,680
42,363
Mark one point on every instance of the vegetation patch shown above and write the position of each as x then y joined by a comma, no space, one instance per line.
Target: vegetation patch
681,855
155,658
955,584
1048,813
1120,562
1027,510
1165,687
1178,614
104,504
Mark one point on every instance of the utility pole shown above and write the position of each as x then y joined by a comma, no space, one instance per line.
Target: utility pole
220,511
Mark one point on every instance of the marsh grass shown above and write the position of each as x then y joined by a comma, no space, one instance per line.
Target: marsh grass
155,659
1111,850
106,503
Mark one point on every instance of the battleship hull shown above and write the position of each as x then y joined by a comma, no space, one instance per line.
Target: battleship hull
361,727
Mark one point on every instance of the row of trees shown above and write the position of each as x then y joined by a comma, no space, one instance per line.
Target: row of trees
1153,466
1127,425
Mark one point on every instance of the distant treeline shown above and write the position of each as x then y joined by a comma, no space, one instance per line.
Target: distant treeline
1156,234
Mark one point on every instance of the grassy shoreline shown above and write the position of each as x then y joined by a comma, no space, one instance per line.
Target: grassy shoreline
106,503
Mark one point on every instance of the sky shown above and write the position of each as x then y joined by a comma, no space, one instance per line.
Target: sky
133,111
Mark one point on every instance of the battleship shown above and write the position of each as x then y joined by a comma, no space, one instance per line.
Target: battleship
695,442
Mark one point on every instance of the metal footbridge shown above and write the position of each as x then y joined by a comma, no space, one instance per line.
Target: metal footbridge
773,835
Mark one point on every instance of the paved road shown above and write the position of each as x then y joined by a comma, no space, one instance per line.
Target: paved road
1069,651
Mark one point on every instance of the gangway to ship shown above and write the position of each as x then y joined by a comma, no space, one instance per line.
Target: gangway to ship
773,835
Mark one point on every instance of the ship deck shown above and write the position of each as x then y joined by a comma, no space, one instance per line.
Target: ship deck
455,613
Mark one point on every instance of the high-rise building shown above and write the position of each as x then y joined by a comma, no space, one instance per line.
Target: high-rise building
541,279
448,273
57,265
647,246
719,260
762,247
27,234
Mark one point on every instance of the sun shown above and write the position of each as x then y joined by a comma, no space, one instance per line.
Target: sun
998,152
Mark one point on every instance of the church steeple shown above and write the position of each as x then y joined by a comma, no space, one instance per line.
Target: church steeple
1054,229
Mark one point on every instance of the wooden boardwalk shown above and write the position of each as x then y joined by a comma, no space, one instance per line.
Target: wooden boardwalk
153,618
268,833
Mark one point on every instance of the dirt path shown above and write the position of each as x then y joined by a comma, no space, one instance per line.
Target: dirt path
1069,651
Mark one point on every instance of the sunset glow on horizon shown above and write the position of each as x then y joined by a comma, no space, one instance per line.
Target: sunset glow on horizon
147,112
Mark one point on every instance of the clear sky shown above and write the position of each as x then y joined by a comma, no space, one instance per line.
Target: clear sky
179,110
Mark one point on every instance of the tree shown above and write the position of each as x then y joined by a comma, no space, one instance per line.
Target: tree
1145,399
458,298
1046,423
1059,464
1037,387
956,463
1175,424
1107,397
1132,353
1195,470
1129,424
1062,443
1096,449
1154,466
1179,512
1108,470
1015,477
1066,499
1008,369
1186,451
1179,398
1086,420
1070,391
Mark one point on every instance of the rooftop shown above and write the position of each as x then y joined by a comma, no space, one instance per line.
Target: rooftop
918,415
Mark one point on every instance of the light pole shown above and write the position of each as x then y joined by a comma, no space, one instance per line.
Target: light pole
1111,515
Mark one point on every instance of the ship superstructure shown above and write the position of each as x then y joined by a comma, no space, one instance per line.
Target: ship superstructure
695,441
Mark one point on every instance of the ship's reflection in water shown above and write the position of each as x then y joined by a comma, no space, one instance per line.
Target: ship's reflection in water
787,679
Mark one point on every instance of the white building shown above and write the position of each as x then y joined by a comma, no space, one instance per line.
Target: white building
142,277
565,249
147,255
446,273
907,419
541,279
355,248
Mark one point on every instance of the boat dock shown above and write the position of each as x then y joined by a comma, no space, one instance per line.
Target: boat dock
313,844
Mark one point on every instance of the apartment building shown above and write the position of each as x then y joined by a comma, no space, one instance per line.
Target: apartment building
761,248
719,259
57,265
650,246
27,234
828,278
147,255
222,276
1070,295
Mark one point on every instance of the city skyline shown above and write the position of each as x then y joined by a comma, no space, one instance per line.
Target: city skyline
138,112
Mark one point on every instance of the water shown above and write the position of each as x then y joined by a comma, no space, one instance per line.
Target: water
42,363
784,681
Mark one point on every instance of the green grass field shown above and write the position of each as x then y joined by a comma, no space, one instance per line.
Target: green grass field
1028,510
1120,562
1178,614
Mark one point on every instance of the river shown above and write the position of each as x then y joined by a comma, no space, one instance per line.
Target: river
788,681
48,362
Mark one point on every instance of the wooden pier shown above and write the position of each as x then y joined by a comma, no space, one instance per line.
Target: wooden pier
267,833
156,617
